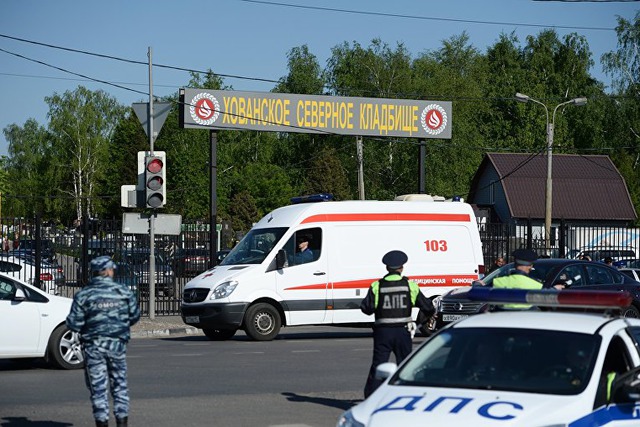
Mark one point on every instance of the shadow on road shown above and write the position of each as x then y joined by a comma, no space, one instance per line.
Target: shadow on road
325,401
25,422
284,335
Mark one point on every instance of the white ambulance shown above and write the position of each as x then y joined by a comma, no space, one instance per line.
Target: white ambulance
264,283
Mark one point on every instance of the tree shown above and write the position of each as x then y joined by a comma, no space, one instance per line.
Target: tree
29,168
82,124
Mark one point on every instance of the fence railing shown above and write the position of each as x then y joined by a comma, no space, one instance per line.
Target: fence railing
59,258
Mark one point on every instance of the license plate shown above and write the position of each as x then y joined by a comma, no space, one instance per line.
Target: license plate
192,319
453,317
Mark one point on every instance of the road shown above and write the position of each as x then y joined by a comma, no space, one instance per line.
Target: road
306,377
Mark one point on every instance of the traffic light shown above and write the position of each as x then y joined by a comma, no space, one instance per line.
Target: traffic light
155,182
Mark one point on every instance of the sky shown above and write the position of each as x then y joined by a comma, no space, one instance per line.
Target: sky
247,38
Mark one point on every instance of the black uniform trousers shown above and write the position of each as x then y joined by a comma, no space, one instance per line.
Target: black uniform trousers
387,339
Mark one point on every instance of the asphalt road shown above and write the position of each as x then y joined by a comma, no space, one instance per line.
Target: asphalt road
306,377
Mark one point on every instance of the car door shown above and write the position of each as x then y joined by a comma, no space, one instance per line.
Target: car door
303,284
20,320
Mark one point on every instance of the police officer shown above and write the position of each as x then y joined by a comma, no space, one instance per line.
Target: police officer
391,299
518,277
102,313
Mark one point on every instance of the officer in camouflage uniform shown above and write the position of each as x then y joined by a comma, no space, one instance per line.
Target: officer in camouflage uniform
391,300
102,313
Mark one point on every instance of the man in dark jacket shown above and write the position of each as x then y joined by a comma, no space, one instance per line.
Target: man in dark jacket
391,300
102,313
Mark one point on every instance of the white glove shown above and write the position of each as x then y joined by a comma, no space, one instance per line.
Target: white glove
412,327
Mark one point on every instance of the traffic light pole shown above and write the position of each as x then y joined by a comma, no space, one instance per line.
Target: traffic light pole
152,217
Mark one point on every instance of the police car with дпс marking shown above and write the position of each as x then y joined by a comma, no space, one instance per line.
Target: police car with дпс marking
517,368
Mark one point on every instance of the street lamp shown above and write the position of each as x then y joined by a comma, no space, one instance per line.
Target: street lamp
550,126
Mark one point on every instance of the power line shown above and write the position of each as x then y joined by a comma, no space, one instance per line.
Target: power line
424,18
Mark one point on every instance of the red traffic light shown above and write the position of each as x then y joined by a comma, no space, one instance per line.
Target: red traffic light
155,165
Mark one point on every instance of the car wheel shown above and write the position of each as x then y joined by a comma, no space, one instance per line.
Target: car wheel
64,349
631,311
219,334
426,326
262,322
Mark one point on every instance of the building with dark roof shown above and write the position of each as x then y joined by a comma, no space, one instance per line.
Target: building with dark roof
587,190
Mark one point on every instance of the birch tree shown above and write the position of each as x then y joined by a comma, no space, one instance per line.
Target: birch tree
81,124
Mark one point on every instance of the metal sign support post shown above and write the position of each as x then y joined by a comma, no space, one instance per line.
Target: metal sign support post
152,217
422,163
213,207
360,155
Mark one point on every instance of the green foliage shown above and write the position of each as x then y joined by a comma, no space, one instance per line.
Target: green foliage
89,147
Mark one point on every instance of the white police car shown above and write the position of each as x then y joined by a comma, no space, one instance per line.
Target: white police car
517,368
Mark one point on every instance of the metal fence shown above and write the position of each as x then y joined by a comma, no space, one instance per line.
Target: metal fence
61,255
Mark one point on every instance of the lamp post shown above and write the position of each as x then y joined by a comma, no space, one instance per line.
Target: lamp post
549,186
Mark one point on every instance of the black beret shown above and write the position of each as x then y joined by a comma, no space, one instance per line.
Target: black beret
524,256
395,259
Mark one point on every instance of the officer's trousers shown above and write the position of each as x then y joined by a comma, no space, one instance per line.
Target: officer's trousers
387,339
106,367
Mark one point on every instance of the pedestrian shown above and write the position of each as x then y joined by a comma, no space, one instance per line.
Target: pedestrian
518,278
102,313
499,262
391,300
609,261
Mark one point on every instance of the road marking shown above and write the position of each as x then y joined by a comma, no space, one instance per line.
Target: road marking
305,351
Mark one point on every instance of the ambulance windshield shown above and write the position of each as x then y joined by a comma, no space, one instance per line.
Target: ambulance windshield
511,359
255,246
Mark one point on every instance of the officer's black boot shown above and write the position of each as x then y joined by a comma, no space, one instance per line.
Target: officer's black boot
122,422
102,423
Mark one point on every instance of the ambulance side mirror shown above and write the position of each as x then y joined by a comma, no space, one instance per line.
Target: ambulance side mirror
281,259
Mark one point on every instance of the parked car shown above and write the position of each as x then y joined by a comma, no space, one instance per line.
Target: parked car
33,325
575,274
599,253
627,263
138,259
126,275
190,262
51,276
47,250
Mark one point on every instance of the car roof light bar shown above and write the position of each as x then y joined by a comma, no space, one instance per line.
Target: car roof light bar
552,298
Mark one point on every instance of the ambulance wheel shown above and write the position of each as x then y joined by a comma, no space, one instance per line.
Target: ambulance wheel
219,334
262,322
64,349
631,311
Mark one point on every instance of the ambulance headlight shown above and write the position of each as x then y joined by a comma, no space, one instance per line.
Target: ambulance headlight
224,289
347,420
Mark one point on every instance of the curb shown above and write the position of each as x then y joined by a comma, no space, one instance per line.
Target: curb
165,332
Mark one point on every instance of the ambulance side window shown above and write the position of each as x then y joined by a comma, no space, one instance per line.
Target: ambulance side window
312,238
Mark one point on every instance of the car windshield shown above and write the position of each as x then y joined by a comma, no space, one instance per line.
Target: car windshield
509,359
538,272
255,246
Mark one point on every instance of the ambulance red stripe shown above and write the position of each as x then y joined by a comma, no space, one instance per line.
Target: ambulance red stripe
422,281
345,217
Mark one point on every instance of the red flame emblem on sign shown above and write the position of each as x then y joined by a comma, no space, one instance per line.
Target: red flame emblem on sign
434,119
205,109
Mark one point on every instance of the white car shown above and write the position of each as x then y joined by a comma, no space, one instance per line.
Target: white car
23,268
516,368
32,325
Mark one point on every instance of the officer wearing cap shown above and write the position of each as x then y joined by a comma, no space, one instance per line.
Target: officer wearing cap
391,300
518,277
102,313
